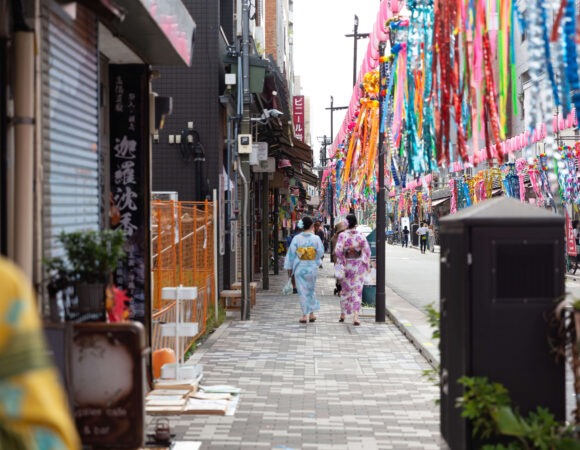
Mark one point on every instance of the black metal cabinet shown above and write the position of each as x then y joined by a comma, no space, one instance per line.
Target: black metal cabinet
502,269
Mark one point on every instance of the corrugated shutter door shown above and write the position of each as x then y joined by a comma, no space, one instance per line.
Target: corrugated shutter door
70,87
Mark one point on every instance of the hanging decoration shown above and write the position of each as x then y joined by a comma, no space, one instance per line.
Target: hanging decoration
451,89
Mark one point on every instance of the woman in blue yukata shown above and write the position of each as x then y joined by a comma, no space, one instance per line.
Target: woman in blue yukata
352,254
303,259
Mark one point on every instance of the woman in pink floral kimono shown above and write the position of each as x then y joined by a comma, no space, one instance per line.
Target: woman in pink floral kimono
352,258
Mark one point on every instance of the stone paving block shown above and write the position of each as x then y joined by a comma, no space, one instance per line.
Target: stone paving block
323,385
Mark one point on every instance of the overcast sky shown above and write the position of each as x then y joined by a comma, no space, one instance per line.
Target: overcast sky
323,56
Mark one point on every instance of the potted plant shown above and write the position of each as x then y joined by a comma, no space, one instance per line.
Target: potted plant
90,257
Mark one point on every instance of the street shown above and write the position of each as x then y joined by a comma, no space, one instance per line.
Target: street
415,276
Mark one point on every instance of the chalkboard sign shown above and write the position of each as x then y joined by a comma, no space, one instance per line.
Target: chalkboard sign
107,368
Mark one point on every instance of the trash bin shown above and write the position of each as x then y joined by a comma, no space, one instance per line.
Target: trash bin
369,293
372,240
501,270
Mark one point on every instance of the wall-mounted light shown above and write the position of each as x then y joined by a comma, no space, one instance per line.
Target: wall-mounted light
159,109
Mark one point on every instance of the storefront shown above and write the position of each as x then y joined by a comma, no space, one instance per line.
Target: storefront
75,100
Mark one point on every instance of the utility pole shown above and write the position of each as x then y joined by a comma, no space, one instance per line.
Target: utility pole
324,142
266,234
356,35
381,206
330,186
244,162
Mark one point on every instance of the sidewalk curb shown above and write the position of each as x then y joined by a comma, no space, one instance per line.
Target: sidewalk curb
410,332
207,344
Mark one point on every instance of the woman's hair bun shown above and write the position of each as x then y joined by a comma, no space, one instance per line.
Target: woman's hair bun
307,221
351,219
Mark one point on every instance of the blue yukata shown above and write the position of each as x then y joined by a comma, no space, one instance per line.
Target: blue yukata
304,257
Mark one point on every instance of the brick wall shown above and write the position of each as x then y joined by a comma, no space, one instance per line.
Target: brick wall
270,27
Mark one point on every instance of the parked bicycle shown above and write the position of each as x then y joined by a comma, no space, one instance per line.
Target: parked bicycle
393,237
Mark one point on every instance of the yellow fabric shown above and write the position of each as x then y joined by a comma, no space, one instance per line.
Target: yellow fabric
33,408
306,253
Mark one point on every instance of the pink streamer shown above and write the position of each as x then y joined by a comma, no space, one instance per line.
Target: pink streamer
387,10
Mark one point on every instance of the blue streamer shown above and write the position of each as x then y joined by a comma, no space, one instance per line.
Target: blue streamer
570,45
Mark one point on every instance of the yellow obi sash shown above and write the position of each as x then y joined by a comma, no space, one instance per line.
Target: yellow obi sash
306,253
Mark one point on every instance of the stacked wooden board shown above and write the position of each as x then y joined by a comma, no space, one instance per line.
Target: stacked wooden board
171,397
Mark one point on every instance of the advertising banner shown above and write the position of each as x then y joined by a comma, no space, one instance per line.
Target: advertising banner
298,116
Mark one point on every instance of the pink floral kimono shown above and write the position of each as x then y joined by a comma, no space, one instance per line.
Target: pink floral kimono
353,255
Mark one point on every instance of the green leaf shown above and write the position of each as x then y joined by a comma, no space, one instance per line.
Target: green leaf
508,423
568,444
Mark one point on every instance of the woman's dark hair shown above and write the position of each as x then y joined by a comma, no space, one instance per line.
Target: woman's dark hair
351,219
307,221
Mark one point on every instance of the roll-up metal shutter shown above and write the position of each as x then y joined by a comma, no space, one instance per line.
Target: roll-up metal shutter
70,88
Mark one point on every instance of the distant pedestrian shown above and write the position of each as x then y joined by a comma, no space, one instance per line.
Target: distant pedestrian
302,261
431,239
319,231
353,256
423,233
405,240
338,228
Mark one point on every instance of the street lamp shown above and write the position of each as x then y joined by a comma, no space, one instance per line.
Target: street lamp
356,35
380,306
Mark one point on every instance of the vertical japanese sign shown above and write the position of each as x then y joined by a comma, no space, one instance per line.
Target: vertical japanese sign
129,162
298,116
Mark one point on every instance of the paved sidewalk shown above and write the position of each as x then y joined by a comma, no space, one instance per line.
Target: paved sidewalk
323,385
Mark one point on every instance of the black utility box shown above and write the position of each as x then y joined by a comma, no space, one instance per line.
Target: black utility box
502,270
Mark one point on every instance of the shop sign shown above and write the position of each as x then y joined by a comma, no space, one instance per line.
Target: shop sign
107,366
129,176
298,116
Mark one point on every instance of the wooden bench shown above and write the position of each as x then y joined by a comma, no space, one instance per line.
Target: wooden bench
253,290
231,299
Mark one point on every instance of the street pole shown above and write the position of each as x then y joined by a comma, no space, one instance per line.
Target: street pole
245,161
356,37
381,206
276,243
330,187
266,234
